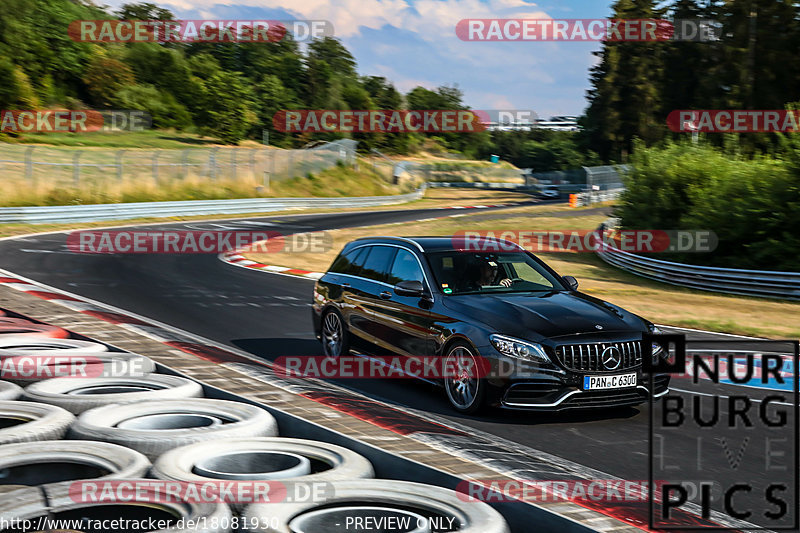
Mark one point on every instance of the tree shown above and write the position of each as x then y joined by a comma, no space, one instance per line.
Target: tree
144,11
227,114
105,77
270,97
10,90
332,52
165,111
624,101
686,65
165,68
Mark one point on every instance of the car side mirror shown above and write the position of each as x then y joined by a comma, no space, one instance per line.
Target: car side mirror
572,283
410,288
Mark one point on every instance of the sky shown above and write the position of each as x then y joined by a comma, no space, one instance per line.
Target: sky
413,42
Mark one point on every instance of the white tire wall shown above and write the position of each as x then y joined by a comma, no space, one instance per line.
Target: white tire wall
78,394
28,422
404,496
56,502
156,427
9,391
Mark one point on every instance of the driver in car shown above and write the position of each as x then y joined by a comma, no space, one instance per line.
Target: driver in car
486,275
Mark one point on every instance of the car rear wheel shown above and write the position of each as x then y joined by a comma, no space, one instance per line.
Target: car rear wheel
466,391
335,338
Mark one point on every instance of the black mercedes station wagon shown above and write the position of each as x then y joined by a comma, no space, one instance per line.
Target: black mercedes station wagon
433,297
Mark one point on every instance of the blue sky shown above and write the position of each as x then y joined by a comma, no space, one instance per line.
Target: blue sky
413,42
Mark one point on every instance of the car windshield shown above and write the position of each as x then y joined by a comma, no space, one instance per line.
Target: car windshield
464,272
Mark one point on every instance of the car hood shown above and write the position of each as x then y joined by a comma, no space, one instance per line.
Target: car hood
536,315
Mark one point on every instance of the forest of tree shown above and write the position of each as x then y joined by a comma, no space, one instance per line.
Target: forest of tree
229,91
745,186
754,64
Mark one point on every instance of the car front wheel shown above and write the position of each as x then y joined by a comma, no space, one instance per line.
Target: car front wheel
335,339
466,391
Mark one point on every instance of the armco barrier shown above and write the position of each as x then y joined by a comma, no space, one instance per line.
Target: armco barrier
477,185
764,283
100,212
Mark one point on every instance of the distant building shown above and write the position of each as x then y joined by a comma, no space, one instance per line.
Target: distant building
559,123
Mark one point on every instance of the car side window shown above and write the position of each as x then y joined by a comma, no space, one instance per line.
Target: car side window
343,262
377,263
405,268
349,263
356,267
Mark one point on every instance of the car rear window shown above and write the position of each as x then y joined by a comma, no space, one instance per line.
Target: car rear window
377,262
350,262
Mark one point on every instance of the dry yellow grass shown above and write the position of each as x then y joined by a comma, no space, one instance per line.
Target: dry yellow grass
659,302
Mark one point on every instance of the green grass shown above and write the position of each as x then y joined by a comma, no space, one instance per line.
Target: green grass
338,181
151,139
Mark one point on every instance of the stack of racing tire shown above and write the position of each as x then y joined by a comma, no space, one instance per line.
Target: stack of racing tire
95,439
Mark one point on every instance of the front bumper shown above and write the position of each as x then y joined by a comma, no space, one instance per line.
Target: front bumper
560,394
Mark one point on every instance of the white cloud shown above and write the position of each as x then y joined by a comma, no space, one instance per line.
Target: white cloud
413,42
430,18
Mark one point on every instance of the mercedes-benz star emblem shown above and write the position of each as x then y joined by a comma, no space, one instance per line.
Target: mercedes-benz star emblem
611,358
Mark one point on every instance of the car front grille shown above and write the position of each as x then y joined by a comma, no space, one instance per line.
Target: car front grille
588,357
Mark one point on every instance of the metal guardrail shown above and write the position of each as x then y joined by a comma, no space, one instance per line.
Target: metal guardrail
593,197
764,283
101,212
477,185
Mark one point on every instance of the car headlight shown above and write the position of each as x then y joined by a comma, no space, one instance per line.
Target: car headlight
657,350
529,351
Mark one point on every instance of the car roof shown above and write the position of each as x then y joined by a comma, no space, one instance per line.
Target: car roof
430,244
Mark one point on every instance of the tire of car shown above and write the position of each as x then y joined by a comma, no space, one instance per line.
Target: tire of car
155,427
11,345
54,364
375,497
467,396
9,391
59,499
79,395
29,422
264,458
55,461
34,330
333,319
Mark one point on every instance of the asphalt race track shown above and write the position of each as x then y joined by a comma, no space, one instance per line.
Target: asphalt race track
268,315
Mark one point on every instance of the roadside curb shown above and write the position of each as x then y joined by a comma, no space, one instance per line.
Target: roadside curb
237,259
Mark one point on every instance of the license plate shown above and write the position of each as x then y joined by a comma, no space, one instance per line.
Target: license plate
617,381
